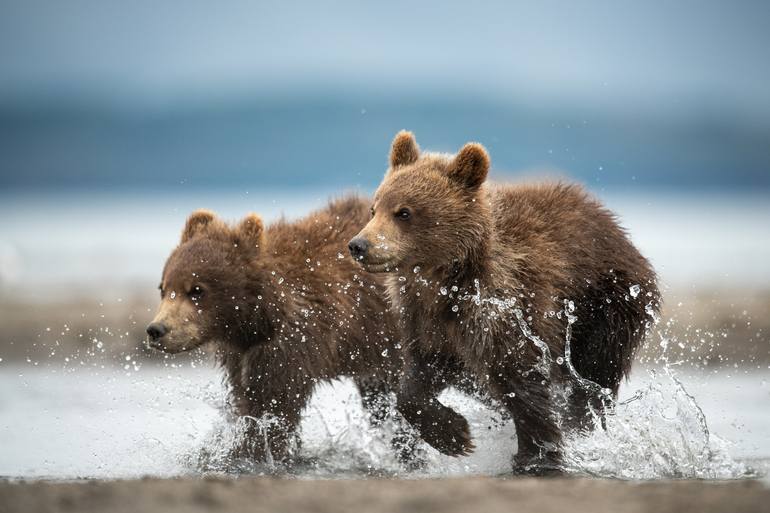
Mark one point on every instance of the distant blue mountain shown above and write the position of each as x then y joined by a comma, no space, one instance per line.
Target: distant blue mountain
342,141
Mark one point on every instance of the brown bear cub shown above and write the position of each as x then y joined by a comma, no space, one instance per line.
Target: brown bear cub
285,311
534,289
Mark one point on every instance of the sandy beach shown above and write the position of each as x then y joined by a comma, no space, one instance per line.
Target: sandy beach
256,494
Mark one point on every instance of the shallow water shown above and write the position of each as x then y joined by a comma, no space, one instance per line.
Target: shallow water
77,422
85,419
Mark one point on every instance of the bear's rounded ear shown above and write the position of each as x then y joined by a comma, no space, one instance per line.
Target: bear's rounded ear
252,230
404,149
197,223
470,166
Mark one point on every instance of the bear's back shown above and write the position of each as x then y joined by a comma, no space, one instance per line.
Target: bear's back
322,234
563,231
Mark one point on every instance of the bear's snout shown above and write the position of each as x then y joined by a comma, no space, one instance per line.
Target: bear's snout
358,247
156,331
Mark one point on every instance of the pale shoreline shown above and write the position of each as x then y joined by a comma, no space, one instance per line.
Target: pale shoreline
487,494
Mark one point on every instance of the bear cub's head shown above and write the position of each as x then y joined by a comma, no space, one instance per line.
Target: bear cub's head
203,282
429,210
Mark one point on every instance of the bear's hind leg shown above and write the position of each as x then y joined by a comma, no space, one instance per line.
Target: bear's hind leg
528,396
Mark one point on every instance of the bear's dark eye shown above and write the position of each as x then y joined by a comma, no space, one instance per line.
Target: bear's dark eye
196,293
371,211
403,214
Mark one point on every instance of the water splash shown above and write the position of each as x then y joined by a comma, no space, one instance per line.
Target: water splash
339,440
148,420
659,432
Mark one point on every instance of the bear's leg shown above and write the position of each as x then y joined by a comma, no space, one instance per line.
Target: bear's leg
527,395
441,427
375,398
377,401
586,408
272,414
270,438
605,338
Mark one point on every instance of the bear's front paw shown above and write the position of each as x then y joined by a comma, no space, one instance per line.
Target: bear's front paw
448,433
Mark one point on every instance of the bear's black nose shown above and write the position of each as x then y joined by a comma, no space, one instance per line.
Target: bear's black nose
156,330
358,247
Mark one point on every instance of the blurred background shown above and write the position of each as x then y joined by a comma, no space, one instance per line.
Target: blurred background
117,119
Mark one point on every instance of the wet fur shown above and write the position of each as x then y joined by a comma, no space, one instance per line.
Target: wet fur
540,244
286,313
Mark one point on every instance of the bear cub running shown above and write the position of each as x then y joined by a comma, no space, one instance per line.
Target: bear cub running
534,289
285,311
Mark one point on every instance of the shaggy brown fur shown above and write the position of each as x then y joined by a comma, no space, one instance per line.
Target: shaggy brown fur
482,277
285,311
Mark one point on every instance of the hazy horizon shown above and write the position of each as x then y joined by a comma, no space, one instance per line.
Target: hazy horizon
617,95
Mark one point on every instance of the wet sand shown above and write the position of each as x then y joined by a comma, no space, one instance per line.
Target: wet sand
483,494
